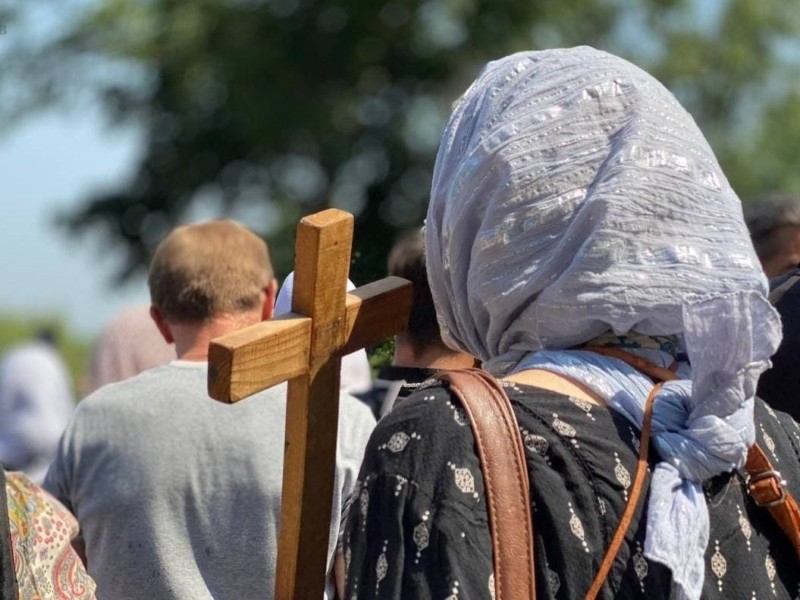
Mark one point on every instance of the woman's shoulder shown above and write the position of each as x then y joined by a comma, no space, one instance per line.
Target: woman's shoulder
420,444
425,392
434,403
431,413
765,414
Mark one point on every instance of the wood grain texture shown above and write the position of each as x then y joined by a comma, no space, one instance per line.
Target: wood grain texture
304,348
375,312
247,361
254,358
322,264
309,476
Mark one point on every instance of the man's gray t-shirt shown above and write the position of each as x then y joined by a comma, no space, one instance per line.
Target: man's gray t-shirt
178,495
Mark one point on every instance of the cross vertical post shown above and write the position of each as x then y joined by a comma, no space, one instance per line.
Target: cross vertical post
305,348
322,264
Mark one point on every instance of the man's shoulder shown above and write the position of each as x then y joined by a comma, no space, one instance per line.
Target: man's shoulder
119,394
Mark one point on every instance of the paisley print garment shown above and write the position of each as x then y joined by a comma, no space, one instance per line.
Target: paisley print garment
42,530
430,539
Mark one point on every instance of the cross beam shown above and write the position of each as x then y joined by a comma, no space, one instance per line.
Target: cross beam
305,347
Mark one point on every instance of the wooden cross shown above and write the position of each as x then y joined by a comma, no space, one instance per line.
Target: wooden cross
305,347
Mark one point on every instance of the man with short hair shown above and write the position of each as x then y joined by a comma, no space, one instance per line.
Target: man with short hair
774,224
178,495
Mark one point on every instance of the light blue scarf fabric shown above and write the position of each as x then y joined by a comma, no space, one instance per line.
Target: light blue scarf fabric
701,427
572,195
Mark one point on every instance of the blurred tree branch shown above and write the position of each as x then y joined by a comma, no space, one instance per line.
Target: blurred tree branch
287,106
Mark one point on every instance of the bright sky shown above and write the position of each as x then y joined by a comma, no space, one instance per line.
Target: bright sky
49,164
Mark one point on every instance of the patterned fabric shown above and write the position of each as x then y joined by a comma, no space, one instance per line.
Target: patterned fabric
417,525
42,529
8,575
393,384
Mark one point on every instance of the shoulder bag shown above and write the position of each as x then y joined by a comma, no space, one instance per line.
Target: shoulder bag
502,457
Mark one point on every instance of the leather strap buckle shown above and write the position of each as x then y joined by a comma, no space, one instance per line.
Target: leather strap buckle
758,494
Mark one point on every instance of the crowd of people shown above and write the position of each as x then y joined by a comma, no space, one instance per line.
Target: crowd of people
584,249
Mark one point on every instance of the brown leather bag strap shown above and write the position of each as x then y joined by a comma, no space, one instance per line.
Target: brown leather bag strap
764,483
633,499
505,476
660,374
637,362
769,491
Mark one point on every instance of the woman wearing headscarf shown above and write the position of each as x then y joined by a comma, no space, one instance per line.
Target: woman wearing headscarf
575,205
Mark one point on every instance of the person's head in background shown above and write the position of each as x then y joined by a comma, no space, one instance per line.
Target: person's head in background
36,403
129,344
207,280
774,224
420,345
47,335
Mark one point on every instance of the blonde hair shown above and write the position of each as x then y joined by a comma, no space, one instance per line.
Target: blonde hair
209,269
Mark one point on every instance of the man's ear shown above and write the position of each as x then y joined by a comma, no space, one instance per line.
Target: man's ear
270,294
163,328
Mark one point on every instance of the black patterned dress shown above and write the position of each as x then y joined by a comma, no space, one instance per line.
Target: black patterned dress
417,525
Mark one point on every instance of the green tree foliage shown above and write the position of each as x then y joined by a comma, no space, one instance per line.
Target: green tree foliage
278,108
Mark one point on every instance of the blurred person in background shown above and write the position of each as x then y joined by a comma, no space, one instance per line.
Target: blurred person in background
129,344
779,386
36,403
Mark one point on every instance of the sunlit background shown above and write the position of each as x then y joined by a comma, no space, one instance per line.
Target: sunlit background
120,118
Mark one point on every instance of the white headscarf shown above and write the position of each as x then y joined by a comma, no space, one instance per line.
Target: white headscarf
356,375
573,195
